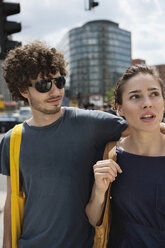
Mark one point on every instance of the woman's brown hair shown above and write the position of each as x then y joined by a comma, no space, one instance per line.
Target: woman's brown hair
131,72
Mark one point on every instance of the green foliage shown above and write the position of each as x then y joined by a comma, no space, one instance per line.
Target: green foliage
109,96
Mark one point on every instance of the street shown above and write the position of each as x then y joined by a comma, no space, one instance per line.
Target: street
2,201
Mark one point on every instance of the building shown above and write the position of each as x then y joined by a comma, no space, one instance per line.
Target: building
98,53
138,61
161,71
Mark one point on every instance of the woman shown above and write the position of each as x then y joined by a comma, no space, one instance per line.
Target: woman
138,193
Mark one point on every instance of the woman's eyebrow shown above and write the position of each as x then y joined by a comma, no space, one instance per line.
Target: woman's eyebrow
154,88
138,91
134,91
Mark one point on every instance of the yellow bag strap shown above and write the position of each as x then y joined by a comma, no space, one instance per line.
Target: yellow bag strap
15,143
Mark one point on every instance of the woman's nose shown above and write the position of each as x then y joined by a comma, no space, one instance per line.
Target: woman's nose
147,103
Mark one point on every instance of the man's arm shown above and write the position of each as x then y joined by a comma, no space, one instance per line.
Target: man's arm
7,217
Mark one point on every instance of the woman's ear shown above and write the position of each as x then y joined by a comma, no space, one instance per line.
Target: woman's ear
120,110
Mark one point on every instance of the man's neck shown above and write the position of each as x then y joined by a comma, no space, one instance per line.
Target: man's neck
40,120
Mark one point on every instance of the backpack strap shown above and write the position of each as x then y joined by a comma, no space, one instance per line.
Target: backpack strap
110,151
102,231
15,143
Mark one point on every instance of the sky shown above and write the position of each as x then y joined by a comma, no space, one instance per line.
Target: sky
50,20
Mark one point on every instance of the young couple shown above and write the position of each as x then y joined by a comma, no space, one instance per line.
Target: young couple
60,145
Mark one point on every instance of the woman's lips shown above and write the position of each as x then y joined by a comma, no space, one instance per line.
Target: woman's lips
147,117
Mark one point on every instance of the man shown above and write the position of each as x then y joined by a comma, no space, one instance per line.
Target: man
59,147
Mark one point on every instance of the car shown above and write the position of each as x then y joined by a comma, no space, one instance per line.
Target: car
7,121
23,114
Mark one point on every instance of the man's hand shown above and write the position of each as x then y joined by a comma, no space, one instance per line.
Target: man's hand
105,172
162,127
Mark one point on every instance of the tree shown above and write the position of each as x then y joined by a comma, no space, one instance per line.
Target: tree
109,96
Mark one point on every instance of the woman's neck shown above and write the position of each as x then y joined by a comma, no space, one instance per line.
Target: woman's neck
144,143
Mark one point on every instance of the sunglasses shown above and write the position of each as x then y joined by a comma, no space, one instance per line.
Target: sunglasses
45,85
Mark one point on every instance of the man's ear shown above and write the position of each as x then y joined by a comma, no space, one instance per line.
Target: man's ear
24,93
120,110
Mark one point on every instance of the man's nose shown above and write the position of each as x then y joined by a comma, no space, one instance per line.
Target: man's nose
54,88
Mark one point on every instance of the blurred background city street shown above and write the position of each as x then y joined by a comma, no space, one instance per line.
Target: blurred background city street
99,39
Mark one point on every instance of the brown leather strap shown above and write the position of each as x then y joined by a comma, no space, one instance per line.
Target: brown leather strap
109,153
108,148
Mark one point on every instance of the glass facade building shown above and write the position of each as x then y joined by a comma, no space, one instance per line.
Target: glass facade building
98,53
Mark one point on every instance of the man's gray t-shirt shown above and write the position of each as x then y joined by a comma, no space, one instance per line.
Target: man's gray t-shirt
56,170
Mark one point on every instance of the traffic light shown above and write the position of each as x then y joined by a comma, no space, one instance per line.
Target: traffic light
8,27
92,4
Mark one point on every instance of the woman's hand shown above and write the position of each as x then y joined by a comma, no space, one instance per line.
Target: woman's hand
105,172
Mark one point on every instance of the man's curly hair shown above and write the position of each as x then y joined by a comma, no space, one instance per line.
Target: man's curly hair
24,64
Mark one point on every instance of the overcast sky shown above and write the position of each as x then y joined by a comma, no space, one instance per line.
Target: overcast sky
49,20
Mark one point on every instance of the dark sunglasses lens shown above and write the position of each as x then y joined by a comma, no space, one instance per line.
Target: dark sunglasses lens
60,82
43,86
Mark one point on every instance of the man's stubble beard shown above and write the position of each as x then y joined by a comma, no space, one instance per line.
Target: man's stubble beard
34,104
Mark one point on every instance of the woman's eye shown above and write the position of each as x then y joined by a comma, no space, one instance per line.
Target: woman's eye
155,94
134,97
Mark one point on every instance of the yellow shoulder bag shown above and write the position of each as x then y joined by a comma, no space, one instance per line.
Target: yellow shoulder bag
102,231
17,195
